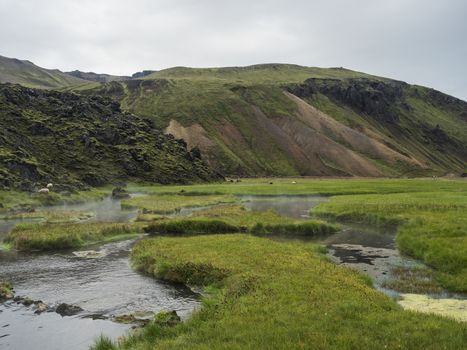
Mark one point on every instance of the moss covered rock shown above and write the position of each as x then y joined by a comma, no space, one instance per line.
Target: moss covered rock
75,142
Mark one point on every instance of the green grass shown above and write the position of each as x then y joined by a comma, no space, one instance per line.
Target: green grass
43,237
238,215
190,227
167,204
433,226
235,218
413,280
270,295
16,201
201,225
310,186
256,74
430,212
6,290
51,217
246,117
309,228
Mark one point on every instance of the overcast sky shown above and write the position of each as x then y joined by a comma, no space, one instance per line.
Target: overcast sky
418,41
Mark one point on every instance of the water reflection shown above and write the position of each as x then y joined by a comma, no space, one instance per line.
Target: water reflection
106,285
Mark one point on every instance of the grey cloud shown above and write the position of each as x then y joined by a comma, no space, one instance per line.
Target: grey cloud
421,42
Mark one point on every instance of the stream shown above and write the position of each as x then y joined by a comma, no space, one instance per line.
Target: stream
103,287
365,248
107,286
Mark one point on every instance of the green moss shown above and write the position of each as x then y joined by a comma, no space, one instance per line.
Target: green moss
246,116
6,290
309,186
53,142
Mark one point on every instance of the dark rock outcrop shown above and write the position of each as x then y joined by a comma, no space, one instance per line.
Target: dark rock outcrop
373,97
142,74
120,193
77,141
97,77
68,310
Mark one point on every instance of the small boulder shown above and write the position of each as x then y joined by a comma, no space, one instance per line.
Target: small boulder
40,307
27,301
120,193
67,309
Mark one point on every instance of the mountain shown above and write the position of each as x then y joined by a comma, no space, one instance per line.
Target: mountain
28,74
142,74
277,119
75,141
96,77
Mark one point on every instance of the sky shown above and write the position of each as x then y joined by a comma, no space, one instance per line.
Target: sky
419,41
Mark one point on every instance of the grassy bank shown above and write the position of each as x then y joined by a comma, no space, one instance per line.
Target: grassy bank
41,237
430,212
433,226
200,226
235,219
167,204
51,217
6,290
269,295
310,186
16,201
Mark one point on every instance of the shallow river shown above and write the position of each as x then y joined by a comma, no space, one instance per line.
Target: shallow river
367,249
107,285
103,286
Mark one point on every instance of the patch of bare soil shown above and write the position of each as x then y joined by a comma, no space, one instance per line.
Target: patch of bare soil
356,140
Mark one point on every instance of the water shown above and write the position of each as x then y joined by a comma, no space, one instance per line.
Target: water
104,287
106,210
292,206
368,249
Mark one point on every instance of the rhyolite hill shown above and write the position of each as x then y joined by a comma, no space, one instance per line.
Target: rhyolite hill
291,120
76,141
279,119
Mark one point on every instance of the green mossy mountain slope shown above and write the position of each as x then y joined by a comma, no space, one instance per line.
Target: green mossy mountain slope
28,74
76,141
290,120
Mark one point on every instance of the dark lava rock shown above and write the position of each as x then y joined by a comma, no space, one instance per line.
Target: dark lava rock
120,193
80,141
67,309
376,98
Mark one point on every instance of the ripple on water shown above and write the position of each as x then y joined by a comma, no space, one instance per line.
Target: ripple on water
105,285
